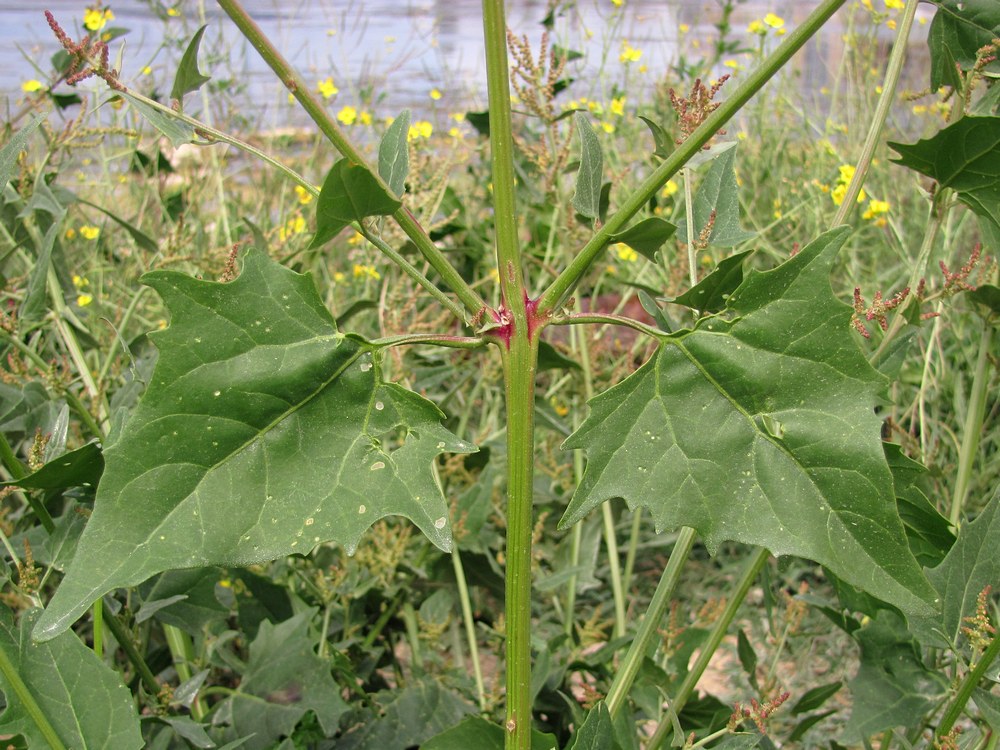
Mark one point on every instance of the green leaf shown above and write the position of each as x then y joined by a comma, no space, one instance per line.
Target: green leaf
176,131
959,29
263,432
711,293
758,426
747,656
188,78
550,358
965,157
989,706
893,687
12,149
184,598
284,678
394,154
587,198
663,144
141,239
64,685
718,192
647,236
349,193
596,732
36,299
79,468
411,716
987,295
970,566
480,734
816,697
927,531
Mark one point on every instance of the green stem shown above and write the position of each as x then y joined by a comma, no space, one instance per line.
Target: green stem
972,679
633,548
719,630
436,339
658,605
124,638
470,625
973,427
885,101
606,319
28,703
560,289
98,614
687,176
614,572
316,111
182,654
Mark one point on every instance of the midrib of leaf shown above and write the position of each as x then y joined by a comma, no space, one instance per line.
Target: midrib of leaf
263,431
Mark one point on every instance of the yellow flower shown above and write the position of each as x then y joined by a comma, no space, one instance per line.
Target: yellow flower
365,118
326,88
419,129
919,109
894,4
840,192
684,28
293,226
304,196
875,209
347,115
891,23
173,12
79,281
70,233
775,22
617,3
84,299
846,173
629,53
732,64
868,5
457,116
607,127
338,277
146,70
366,271
96,19
558,406
626,253
435,94
31,86
757,27
89,233
670,188
618,106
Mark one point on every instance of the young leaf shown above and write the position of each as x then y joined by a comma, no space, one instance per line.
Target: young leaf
816,697
12,148
188,77
647,236
61,687
596,732
587,199
349,193
710,294
78,468
663,144
959,29
718,193
284,678
964,156
176,131
685,435
263,432
394,154
476,732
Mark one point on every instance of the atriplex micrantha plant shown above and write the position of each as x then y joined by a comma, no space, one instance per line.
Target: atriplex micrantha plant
266,430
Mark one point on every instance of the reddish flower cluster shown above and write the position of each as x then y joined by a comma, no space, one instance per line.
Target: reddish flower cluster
88,57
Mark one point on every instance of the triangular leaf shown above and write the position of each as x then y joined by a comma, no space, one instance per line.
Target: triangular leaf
349,193
712,292
417,713
263,432
480,734
964,156
78,468
596,732
394,154
663,144
960,28
81,699
647,236
759,427
587,198
284,678
718,193
188,78
176,131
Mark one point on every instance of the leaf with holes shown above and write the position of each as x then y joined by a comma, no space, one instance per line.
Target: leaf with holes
758,426
264,432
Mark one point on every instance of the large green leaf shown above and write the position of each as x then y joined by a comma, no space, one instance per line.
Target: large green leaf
349,193
284,678
263,432
758,426
718,194
964,156
959,29
62,687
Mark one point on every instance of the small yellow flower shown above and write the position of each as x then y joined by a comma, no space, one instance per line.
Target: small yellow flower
366,271
775,22
295,225
876,208
891,23
868,5
365,118
684,28
670,188
347,115
70,233
338,277
629,53
732,64
31,86
919,109
456,133
894,4
173,12
846,173
840,192
435,94
89,232
326,88
80,282
457,116
607,127
84,299
304,196
96,19
419,129
757,27
618,106
626,253
618,3
146,70
557,405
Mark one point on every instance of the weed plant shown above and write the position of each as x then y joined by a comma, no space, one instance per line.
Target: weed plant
762,316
